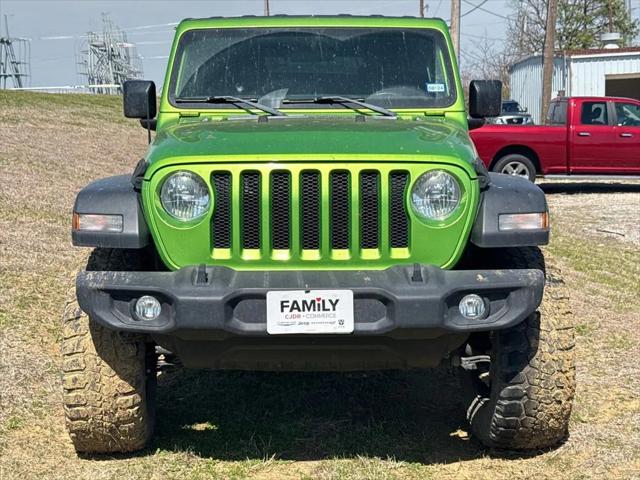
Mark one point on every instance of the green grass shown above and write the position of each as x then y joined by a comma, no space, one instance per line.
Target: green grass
610,264
361,468
80,110
44,100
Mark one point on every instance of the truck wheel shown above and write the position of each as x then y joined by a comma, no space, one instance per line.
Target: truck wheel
108,377
523,400
516,164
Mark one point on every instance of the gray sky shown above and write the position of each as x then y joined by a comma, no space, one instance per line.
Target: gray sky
145,21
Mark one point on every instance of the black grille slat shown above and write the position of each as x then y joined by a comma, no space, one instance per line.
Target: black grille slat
339,210
398,216
250,209
280,209
369,209
221,222
310,210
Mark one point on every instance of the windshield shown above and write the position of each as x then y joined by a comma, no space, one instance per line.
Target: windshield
382,66
512,107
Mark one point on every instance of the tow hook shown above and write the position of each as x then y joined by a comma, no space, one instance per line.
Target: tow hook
471,363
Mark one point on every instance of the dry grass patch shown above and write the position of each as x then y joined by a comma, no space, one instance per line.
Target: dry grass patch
235,425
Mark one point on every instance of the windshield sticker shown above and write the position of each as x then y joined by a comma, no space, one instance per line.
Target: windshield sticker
435,87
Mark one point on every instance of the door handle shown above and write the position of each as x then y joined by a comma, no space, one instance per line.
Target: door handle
584,134
626,135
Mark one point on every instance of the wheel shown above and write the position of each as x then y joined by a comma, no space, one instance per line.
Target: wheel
522,399
108,377
516,164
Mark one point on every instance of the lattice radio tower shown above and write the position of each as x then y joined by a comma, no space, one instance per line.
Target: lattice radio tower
15,54
108,59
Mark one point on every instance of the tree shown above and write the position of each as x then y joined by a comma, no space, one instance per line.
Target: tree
488,59
579,24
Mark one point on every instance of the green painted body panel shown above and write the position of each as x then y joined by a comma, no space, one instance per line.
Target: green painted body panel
324,135
212,140
439,243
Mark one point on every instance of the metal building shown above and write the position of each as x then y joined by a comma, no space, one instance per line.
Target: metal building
599,72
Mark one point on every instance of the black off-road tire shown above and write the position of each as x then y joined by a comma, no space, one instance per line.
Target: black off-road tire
108,377
528,401
516,159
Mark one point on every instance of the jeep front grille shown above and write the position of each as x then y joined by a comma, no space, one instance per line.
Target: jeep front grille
310,214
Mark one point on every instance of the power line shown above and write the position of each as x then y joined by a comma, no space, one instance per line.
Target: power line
483,37
473,9
479,7
497,22
81,36
145,27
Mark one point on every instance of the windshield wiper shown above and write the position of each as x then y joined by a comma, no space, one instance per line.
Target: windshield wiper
350,102
237,101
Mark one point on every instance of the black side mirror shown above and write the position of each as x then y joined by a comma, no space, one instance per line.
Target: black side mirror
139,98
485,98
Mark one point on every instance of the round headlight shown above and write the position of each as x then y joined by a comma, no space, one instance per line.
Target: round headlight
435,195
185,196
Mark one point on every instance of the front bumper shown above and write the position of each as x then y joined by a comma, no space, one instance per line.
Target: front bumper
218,303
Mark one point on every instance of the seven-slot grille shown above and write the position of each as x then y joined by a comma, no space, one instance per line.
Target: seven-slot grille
290,215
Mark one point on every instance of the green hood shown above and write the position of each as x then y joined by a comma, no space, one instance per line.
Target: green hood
334,136
413,146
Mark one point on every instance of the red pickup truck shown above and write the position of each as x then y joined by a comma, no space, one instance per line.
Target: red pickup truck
583,136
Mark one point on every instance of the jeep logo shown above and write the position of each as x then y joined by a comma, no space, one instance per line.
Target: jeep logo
311,305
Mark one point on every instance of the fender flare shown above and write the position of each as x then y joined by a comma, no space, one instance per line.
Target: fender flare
508,194
112,196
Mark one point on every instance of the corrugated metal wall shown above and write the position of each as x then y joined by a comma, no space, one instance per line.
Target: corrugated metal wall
579,75
588,74
526,83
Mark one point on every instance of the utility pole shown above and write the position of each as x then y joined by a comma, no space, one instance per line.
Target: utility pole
455,26
266,8
547,62
422,8
610,16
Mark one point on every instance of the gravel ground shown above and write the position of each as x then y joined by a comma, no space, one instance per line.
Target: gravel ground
597,210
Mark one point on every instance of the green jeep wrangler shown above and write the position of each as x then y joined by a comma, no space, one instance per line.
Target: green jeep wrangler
312,202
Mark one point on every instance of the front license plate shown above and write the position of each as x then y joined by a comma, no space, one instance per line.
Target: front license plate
309,311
